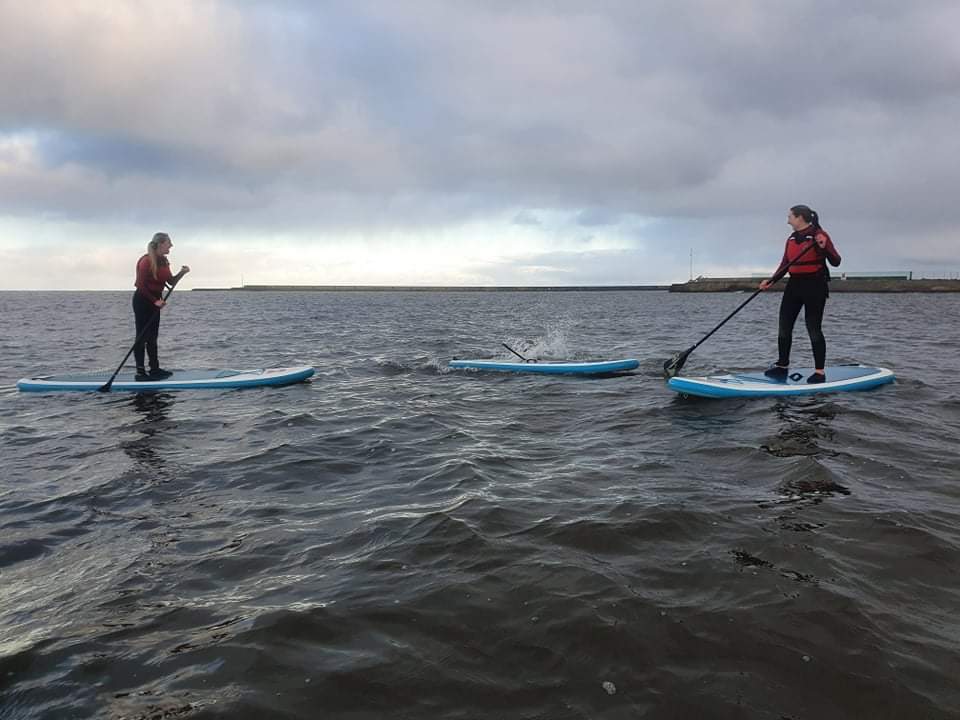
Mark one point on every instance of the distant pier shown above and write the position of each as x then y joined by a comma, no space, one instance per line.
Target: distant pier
700,285
837,284
436,288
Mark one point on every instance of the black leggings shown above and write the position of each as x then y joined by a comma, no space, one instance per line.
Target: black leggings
811,295
147,315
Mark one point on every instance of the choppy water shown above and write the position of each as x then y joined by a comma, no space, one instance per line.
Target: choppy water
395,540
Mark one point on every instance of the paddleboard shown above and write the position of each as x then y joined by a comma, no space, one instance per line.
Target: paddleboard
549,367
841,378
179,380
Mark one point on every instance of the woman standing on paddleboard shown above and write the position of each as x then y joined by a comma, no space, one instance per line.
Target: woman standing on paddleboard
153,275
808,250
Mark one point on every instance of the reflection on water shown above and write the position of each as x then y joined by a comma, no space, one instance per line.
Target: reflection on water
150,421
802,423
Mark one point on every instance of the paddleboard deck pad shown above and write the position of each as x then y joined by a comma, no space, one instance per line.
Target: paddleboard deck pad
549,367
179,380
842,378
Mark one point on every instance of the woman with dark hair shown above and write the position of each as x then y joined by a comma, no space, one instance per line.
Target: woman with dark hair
808,250
153,275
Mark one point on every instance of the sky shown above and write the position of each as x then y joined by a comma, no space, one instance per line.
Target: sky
482,142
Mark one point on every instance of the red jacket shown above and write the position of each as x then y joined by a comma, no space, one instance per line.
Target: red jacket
811,261
149,286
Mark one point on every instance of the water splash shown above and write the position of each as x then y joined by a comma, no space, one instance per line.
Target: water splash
552,346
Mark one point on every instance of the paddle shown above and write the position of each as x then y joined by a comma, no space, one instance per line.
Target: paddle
106,387
526,360
672,366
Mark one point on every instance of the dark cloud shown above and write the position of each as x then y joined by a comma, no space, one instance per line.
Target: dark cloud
114,155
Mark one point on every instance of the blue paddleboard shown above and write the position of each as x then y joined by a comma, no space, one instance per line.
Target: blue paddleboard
549,367
179,380
842,378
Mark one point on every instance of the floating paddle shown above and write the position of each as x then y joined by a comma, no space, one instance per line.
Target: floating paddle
526,360
672,366
106,386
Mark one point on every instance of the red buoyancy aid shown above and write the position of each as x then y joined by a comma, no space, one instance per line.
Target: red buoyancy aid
803,246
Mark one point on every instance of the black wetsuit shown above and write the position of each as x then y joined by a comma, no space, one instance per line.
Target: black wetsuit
809,292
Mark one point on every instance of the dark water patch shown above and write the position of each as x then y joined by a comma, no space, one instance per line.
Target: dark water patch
807,477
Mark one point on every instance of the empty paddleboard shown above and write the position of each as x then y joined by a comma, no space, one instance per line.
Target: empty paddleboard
179,380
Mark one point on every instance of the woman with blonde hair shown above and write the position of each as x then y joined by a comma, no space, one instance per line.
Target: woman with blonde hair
153,275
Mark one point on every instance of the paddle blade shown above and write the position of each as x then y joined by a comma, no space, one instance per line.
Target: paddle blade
672,366
106,386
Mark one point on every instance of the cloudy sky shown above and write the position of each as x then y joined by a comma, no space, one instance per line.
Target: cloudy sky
472,142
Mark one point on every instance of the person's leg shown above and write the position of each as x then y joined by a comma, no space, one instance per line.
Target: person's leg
790,306
153,332
814,305
141,315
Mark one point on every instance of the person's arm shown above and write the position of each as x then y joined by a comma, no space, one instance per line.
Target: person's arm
174,279
783,264
828,249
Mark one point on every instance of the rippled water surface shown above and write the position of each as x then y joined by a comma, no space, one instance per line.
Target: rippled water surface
396,540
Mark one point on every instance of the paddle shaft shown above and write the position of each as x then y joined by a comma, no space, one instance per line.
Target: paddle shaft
776,278
153,318
515,352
